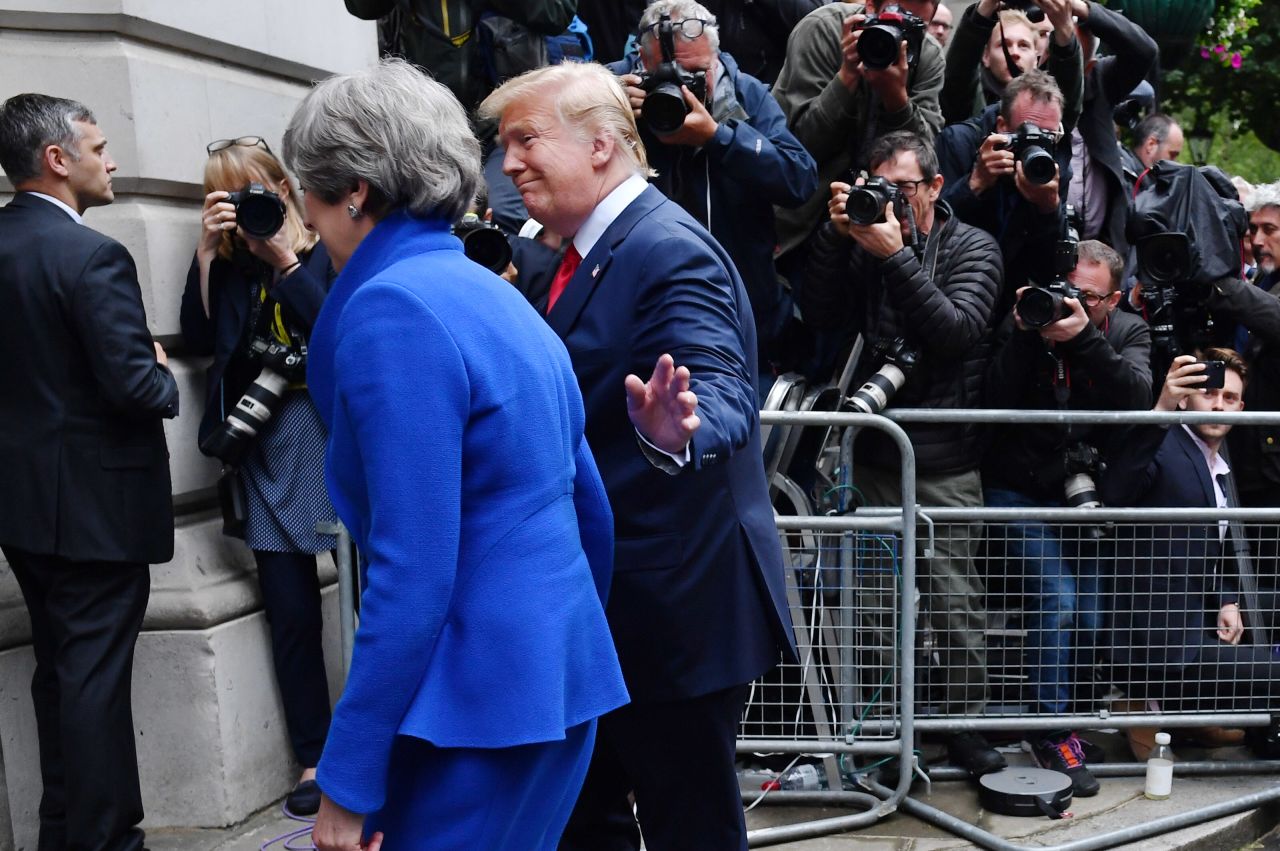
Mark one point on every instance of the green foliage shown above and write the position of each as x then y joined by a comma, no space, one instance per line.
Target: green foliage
1240,103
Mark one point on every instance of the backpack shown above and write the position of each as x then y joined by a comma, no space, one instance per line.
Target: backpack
508,48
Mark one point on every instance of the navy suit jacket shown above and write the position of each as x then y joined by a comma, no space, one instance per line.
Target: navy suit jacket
1167,609
698,602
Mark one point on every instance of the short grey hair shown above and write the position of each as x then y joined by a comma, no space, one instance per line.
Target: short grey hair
679,10
31,122
1263,195
394,127
1156,126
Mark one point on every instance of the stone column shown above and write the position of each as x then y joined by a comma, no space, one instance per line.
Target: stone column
165,77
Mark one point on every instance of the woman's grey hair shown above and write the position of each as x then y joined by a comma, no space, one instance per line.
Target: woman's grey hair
394,127
679,10
29,123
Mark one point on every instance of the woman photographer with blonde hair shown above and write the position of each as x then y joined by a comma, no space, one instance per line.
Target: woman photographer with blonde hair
254,290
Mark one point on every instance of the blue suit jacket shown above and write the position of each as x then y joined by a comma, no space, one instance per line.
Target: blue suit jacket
698,602
457,460
1168,609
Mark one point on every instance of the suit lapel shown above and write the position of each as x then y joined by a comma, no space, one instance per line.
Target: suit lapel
584,282
1196,457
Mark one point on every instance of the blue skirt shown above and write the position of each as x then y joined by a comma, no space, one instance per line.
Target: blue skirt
467,799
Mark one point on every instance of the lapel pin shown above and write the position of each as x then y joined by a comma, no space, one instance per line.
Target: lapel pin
595,271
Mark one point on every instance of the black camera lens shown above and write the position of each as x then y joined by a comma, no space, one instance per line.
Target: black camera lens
664,108
485,245
1040,307
866,203
878,45
1164,258
259,211
1038,165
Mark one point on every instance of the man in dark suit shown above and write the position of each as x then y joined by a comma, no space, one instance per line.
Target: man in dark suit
698,606
84,471
1177,622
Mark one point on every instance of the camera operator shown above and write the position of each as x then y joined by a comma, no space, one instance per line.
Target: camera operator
1098,188
247,294
995,43
1093,358
1180,614
989,185
921,284
729,161
836,105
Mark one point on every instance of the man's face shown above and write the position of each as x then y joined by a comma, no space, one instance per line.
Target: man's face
940,26
1264,236
89,177
692,56
1045,114
550,163
1152,151
1099,298
1044,29
904,171
1228,397
1021,43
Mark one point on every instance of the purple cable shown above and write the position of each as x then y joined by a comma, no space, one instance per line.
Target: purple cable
286,840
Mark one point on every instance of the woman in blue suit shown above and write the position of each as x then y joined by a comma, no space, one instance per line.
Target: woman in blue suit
456,458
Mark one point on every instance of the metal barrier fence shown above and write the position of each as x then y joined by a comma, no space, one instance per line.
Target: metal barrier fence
1091,619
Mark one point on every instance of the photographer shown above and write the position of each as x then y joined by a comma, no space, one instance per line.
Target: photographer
1093,358
730,159
836,105
996,43
245,293
921,277
985,162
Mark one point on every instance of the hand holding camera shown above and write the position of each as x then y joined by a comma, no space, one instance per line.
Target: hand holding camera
257,215
994,161
1186,377
867,213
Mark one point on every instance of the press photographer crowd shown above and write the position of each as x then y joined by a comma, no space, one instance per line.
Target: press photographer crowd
511,314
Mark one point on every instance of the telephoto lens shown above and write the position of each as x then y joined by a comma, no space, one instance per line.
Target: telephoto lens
1038,307
231,441
874,396
483,243
1081,492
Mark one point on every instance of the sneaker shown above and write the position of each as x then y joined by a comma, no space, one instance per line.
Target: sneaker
1093,754
1064,754
972,752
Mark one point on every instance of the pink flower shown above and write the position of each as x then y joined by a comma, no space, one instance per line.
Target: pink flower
1220,48
1236,59
1204,53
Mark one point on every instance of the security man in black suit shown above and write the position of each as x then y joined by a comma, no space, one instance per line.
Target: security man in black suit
85,501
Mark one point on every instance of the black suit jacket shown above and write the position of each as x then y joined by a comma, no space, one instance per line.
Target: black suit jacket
1171,585
698,602
84,469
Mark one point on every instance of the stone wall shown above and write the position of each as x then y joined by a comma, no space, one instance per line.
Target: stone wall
165,77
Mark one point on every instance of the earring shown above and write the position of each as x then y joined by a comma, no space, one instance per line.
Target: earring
353,211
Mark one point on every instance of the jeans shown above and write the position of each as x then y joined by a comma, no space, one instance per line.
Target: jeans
1061,596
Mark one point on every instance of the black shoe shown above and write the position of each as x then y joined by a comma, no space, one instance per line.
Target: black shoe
304,800
1093,754
974,753
1064,754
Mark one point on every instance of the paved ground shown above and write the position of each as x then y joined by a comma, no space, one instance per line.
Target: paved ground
1120,805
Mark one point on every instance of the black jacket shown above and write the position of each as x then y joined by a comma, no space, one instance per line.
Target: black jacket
1255,449
223,332
945,316
1103,369
84,468
755,31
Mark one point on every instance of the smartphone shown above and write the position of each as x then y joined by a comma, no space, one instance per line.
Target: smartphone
1215,372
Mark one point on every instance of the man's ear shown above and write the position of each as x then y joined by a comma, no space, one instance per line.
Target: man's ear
602,146
1001,126
55,159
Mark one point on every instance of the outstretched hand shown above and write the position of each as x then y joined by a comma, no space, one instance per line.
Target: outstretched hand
663,408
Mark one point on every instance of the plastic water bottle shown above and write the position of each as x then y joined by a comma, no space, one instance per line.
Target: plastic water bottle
801,778
1159,770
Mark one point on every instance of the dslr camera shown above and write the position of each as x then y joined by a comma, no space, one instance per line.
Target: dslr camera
483,243
1031,146
280,365
1083,462
1028,7
1042,305
899,360
882,33
866,202
259,211
664,107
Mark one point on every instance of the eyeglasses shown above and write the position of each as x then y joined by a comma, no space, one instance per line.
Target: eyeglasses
244,141
908,188
690,28
1092,299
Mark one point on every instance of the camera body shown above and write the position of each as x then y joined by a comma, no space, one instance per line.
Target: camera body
259,211
1028,7
866,202
899,360
664,107
1082,461
1042,305
1031,146
281,365
882,33
483,243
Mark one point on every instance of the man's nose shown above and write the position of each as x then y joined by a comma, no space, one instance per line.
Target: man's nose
510,163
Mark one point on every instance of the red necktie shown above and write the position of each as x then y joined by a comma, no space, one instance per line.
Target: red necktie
569,265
